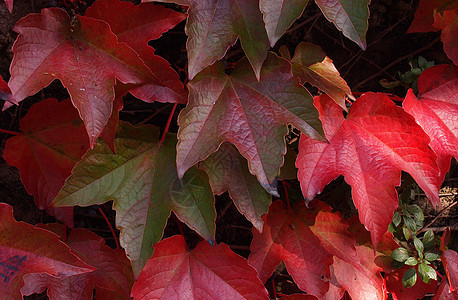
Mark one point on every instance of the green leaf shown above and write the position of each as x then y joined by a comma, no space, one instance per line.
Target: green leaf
426,272
416,211
228,170
430,256
278,16
407,233
349,16
400,254
411,261
419,246
410,278
410,223
428,237
142,181
248,113
396,218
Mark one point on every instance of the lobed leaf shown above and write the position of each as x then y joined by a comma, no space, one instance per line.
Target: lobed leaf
141,178
206,272
370,148
248,113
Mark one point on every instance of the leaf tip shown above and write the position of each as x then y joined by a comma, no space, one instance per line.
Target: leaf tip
271,188
211,242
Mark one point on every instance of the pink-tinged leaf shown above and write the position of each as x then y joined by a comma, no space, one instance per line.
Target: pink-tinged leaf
350,17
418,291
306,240
370,148
136,25
311,64
214,26
109,132
444,293
361,284
248,113
5,94
9,5
437,111
47,151
278,16
447,21
424,15
25,249
228,171
86,57
451,268
142,181
203,273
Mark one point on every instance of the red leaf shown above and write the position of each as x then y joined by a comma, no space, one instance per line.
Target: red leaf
397,289
203,273
299,297
86,57
370,148
5,94
47,151
423,19
444,293
248,113
447,21
437,111
9,5
26,250
136,25
214,26
305,239
450,262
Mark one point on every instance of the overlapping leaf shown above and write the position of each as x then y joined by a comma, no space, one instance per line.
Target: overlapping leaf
437,111
47,151
370,148
136,25
424,15
86,57
228,171
306,240
205,272
213,26
349,16
28,252
141,178
278,16
311,64
249,114
9,5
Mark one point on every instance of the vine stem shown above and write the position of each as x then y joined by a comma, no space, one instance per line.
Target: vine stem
166,129
10,132
111,228
274,289
285,187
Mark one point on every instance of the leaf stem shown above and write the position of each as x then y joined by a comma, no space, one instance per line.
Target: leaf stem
274,289
10,132
285,187
111,228
166,129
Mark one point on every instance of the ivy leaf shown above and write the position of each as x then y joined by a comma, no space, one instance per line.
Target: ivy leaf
141,178
394,285
424,15
213,26
278,16
350,17
437,111
47,151
447,21
248,113
86,57
306,240
370,148
9,5
26,252
311,64
205,272
228,171
136,25
450,258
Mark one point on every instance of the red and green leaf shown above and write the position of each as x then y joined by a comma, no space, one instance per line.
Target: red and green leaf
142,181
248,113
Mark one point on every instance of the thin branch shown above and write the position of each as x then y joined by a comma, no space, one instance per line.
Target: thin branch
437,217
